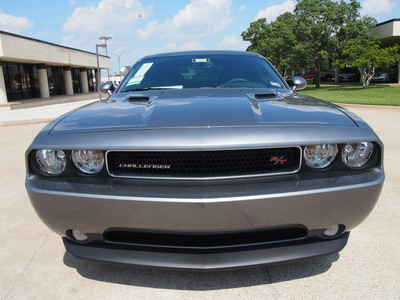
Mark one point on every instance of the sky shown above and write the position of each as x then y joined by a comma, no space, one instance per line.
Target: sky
142,27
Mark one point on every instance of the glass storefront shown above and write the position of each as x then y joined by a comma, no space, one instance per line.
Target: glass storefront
21,81
55,77
91,80
76,80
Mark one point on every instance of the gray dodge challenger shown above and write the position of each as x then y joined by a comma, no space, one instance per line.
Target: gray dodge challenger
204,160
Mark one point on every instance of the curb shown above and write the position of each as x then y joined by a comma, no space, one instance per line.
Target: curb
368,106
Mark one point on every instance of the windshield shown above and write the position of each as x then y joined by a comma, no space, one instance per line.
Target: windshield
199,71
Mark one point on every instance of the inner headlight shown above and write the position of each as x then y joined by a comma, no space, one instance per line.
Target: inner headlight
320,156
50,161
355,155
88,161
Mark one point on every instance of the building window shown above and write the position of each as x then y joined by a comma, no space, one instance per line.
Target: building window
76,80
91,80
56,81
21,81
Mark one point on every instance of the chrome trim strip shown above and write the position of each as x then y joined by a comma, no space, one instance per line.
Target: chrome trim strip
204,178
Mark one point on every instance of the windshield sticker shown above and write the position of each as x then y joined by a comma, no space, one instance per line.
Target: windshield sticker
138,77
275,83
200,60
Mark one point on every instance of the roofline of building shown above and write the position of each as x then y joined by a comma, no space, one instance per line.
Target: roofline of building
388,21
48,43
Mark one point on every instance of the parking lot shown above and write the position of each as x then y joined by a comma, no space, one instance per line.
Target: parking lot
34,264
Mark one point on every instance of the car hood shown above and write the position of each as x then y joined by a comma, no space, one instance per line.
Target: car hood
202,108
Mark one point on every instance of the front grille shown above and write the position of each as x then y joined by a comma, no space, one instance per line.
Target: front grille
202,240
203,164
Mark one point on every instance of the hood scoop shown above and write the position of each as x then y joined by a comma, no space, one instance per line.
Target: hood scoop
262,96
141,99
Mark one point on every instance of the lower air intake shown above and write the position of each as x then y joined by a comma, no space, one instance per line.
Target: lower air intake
202,240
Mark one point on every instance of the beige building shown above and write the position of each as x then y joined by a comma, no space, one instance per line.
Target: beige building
32,68
389,34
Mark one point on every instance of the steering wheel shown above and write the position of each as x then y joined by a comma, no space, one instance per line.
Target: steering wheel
234,80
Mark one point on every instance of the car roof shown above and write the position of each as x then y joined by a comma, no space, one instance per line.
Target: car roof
204,52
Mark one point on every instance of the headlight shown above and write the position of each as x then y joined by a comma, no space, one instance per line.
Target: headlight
51,161
355,155
88,161
320,156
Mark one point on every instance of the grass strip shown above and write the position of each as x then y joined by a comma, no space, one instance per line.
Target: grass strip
356,94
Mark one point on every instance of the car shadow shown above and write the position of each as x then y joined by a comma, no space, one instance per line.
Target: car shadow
199,281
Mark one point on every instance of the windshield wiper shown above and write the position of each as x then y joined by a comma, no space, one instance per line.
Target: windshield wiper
142,89
153,89
234,86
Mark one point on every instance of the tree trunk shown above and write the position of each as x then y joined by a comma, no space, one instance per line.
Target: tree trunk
370,75
364,75
316,78
337,74
367,75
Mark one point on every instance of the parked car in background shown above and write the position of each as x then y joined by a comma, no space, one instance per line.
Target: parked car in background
328,75
380,77
308,75
349,75
393,74
205,160
390,75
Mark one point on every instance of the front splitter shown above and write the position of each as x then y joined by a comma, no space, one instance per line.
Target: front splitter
239,258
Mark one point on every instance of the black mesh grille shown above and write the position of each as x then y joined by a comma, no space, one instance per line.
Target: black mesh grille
204,240
194,164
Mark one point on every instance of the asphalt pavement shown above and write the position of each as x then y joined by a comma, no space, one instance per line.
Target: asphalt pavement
34,264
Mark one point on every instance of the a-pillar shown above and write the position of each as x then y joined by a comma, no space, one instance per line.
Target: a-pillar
3,91
69,88
84,81
43,81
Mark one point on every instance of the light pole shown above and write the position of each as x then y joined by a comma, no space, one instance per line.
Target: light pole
119,57
119,63
105,38
98,78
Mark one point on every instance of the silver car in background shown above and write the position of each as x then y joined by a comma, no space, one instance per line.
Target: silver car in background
204,160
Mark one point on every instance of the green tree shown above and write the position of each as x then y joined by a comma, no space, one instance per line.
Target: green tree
325,26
350,26
367,55
276,41
311,37
125,70
256,35
317,26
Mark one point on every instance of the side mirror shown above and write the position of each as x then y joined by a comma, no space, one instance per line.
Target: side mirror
298,83
106,88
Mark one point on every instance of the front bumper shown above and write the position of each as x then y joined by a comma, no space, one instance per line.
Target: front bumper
317,203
